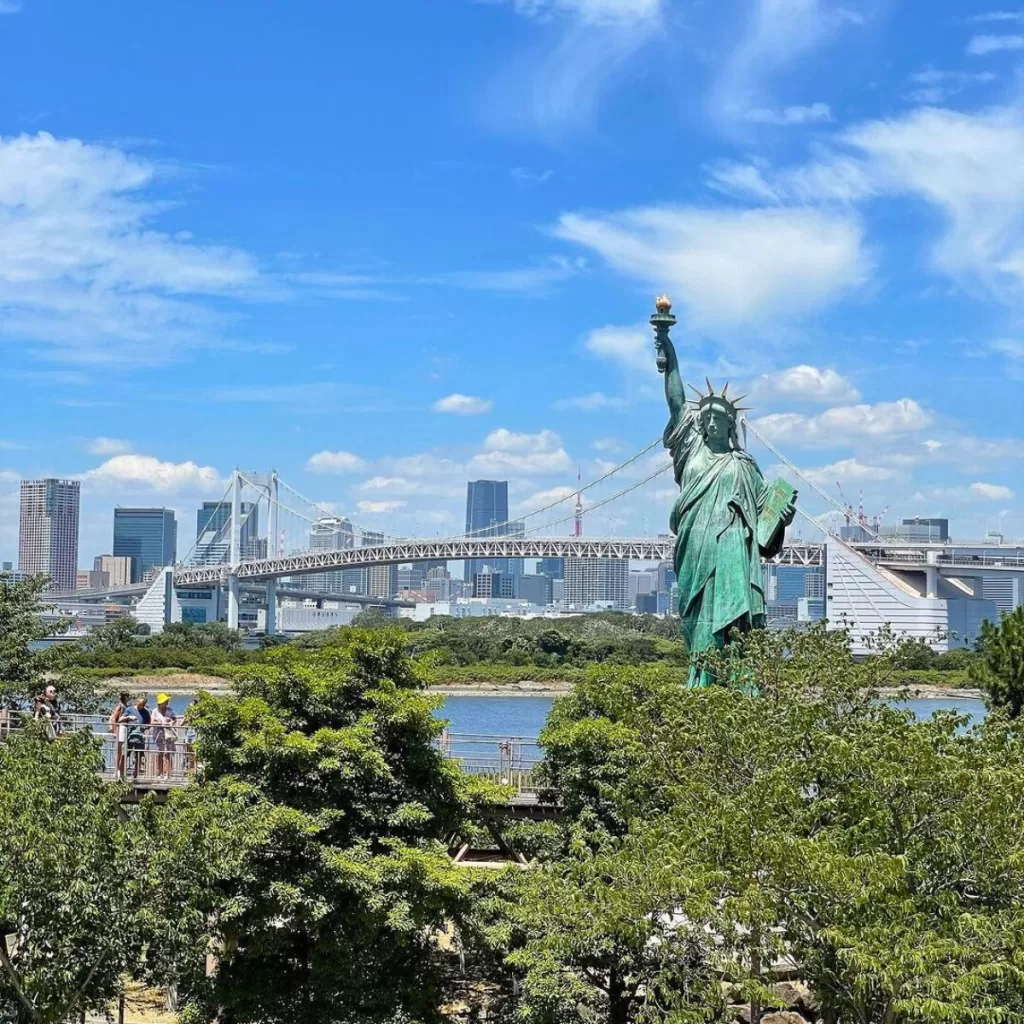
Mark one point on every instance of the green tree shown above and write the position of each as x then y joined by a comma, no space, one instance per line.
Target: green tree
881,853
20,627
68,884
344,877
1000,669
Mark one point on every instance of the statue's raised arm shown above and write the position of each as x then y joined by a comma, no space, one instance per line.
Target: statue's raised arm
662,321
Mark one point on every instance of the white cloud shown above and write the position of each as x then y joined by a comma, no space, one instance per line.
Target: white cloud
150,472
632,347
780,31
602,12
608,444
990,16
502,440
526,280
463,405
334,462
844,423
379,507
813,114
991,492
730,267
969,167
934,86
82,269
498,464
851,470
558,84
979,46
1013,351
108,446
596,401
549,497
804,382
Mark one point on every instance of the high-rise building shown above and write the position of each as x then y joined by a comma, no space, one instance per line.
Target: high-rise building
489,584
118,569
535,588
553,568
213,533
439,582
591,581
48,531
149,536
486,516
330,533
410,577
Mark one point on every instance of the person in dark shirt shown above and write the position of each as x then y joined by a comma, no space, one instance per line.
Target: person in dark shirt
138,734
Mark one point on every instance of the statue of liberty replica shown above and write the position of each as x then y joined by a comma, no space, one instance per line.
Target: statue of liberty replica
725,519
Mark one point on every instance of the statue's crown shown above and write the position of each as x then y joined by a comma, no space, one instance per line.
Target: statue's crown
703,401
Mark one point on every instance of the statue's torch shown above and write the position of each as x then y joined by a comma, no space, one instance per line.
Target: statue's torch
662,321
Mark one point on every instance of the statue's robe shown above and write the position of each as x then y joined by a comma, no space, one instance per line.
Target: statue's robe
717,558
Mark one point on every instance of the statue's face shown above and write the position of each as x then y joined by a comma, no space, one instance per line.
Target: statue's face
717,427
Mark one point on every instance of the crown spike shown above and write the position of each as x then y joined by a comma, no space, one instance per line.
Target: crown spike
725,389
696,391
711,387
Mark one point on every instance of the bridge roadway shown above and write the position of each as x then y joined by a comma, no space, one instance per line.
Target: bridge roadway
456,549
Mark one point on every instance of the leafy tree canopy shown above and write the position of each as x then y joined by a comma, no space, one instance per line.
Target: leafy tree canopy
344,877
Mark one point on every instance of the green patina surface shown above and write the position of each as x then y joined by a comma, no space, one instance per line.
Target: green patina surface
725,519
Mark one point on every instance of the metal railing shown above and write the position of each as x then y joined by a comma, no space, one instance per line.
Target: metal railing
149,756
159,756
507,760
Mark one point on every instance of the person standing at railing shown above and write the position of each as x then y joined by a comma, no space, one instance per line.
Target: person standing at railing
47,710
122,715
163,721
137,734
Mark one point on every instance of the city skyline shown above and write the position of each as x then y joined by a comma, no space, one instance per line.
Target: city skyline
805,197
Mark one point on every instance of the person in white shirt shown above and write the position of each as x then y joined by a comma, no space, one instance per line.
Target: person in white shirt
163,721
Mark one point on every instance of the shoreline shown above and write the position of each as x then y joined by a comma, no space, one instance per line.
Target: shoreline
187,684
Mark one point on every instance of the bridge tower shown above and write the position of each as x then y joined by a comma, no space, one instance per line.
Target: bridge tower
272,552
235,555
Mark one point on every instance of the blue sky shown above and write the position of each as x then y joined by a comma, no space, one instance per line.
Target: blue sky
388,247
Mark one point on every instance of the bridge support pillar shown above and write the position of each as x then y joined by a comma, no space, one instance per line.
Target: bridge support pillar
232,602
931,575
271,607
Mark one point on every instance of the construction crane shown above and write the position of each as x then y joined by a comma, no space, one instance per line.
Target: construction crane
859,515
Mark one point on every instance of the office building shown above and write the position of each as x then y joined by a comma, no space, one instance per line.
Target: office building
382,581
91,579
410,577
439,582
641,584
596,581
330,533
213,533
553,568
486,516
48,531
148,536
535,588
489,584
647,604
118,569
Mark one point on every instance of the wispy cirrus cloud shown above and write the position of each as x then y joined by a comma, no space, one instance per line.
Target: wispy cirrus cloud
779,32
584,47
983,45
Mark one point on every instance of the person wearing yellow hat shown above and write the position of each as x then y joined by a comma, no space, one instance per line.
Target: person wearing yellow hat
163,721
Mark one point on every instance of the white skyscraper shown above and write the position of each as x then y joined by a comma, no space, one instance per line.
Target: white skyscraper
591,581
48,531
